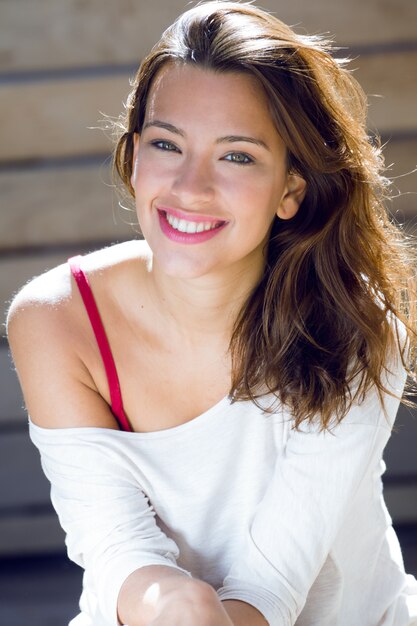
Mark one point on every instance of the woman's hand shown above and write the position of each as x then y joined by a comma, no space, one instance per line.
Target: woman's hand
195,603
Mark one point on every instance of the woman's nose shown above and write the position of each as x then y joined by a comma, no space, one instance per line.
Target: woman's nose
194,182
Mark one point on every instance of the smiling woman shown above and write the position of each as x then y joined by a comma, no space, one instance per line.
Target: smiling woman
186,172
214,438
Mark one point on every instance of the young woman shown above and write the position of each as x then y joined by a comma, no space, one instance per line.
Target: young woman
214,437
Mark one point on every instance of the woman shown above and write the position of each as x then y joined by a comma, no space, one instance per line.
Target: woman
215,445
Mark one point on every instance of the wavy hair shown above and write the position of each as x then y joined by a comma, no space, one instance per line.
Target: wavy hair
317,329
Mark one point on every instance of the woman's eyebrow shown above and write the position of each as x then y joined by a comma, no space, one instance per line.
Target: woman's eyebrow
227,139
165,126
233,138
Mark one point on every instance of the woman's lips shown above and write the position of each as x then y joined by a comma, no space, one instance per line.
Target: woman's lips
190,229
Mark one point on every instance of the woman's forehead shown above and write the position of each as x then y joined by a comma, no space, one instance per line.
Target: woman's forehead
183,90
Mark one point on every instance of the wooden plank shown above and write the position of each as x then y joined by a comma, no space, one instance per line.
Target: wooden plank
401,161
390,82
62,33
400,455
61,114
65,33
11,405
58,117
55,206
401,502
22,481
27,535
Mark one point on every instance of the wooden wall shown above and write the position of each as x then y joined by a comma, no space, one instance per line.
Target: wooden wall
64,66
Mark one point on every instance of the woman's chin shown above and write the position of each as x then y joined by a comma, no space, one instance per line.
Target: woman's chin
175,267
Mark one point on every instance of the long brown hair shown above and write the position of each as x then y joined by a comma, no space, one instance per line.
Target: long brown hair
320,322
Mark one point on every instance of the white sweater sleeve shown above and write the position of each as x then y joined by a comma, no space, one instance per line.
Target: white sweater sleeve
304,506
109,523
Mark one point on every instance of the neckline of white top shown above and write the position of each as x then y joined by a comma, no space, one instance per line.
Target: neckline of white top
154,434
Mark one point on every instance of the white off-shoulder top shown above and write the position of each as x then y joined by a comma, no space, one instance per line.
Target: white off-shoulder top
293,523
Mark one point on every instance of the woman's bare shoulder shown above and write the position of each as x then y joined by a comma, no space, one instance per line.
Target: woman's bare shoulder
51,295
40,301
49,337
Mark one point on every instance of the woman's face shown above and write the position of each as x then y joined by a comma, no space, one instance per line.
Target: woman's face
209,172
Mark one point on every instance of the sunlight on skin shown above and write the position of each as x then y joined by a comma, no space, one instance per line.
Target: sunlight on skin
152,595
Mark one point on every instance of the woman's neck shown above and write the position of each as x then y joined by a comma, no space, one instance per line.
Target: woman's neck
202,307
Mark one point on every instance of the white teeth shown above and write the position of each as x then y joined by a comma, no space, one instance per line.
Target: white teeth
184,226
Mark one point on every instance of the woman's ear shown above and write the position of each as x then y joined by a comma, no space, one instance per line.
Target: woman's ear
136,139
294,194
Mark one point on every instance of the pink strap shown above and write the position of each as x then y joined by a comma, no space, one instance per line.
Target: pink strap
102,341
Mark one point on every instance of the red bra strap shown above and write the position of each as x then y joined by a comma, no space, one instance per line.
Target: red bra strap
102,341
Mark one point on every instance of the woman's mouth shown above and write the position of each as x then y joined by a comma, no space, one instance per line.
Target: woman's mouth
195,230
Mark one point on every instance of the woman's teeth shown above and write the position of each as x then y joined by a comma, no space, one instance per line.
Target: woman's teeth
189,227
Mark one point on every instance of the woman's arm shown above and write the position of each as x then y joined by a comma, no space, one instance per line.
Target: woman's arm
243,614
161,595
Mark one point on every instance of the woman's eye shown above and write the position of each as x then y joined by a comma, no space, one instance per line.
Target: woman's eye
164,145
239,157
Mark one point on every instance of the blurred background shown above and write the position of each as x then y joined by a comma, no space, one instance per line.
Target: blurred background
64,66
